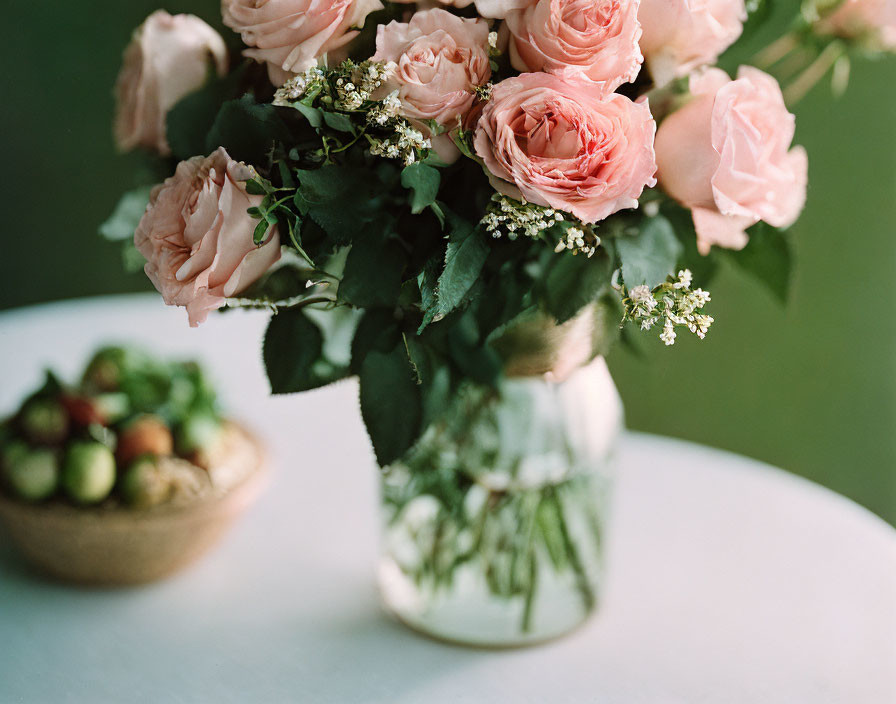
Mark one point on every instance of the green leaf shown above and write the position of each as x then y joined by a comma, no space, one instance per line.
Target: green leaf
424,182
702,266
126,216
339,122
378,330
372,276
390,403
463,264
434,378
314,115
573,281
651,255
247,130
341,199
260,230
131,258
464,259
475,359
254,187
767,257
292,345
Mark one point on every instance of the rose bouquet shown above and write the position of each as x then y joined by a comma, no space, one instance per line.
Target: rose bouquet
454,199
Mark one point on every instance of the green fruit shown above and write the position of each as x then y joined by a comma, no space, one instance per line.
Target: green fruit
44,421
145,484
104,371
89,472
34,475
11,452
197,433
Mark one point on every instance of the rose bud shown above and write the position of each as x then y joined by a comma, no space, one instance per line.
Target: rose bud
147,435
88,473
168,58
44,421
34,475
145,484
198,238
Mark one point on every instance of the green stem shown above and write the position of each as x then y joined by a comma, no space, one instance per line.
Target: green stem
531,504
530,594
584,585
814,73
260,303
775,51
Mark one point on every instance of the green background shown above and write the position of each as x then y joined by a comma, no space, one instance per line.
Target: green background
810,387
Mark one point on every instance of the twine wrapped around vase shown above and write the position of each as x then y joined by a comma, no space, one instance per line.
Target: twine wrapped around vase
538,346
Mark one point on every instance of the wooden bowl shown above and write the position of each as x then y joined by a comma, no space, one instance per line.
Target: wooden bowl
116,546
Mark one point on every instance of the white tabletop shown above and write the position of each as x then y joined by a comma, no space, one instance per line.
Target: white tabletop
730,581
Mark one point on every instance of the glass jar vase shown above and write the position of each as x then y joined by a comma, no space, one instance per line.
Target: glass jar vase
494,521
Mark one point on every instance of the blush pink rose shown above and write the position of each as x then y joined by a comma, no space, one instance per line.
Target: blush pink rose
499,9
726,155
290,35
441,58
566,145
596,40
873,21
427,4
681,35
168,58
197,236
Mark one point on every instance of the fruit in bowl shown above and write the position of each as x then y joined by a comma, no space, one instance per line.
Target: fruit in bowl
127,475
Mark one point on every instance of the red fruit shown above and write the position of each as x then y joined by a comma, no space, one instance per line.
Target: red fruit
148,435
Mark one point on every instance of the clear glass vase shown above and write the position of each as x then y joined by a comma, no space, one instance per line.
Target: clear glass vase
494,521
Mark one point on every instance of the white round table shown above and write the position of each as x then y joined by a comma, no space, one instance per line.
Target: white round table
730,581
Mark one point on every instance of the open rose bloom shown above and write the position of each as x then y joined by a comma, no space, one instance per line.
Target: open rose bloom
198,238
727,156
594,41
565,145
440,60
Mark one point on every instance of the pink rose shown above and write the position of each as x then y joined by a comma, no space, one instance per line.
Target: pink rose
427,4
441,58
588,39
873,21
726,155
566,145
499,9
197,236
680,35
290,35
167,59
